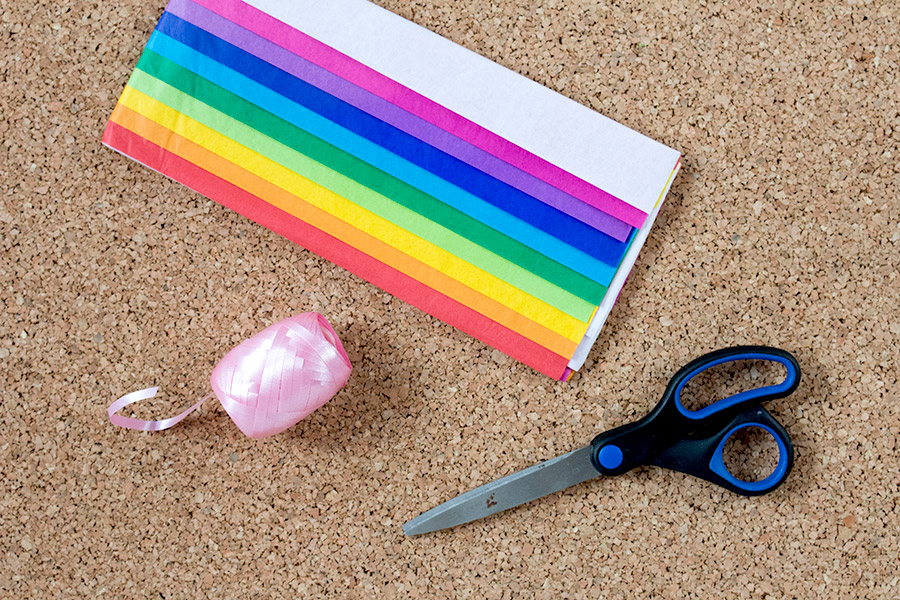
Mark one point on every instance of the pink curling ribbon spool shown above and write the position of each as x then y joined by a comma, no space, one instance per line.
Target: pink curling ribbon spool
270,381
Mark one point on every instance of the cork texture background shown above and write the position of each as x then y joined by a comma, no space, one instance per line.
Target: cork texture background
783,228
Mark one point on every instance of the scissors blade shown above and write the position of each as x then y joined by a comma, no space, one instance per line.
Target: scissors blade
526,485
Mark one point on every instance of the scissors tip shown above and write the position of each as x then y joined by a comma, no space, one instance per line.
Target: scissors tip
424,523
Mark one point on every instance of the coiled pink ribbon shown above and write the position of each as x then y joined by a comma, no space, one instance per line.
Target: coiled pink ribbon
269,382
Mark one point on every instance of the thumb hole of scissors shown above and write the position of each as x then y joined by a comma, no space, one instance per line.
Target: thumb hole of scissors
750,454
728,379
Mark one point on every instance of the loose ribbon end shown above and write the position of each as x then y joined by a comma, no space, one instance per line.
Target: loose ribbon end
142,424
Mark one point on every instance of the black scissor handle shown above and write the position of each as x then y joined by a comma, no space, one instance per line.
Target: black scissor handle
670,433
749,397
705,457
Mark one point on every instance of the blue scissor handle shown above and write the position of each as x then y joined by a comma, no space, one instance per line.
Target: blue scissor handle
703,457
771,481
756,395
693,442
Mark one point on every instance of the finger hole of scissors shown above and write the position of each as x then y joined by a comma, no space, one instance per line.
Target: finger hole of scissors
750,454
728,379
791,375
746,454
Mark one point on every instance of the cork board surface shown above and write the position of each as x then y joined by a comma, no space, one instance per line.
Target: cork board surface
783,228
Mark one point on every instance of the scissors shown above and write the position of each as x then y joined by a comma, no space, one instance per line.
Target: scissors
670,436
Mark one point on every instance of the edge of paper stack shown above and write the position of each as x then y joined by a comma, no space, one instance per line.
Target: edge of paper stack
479,196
